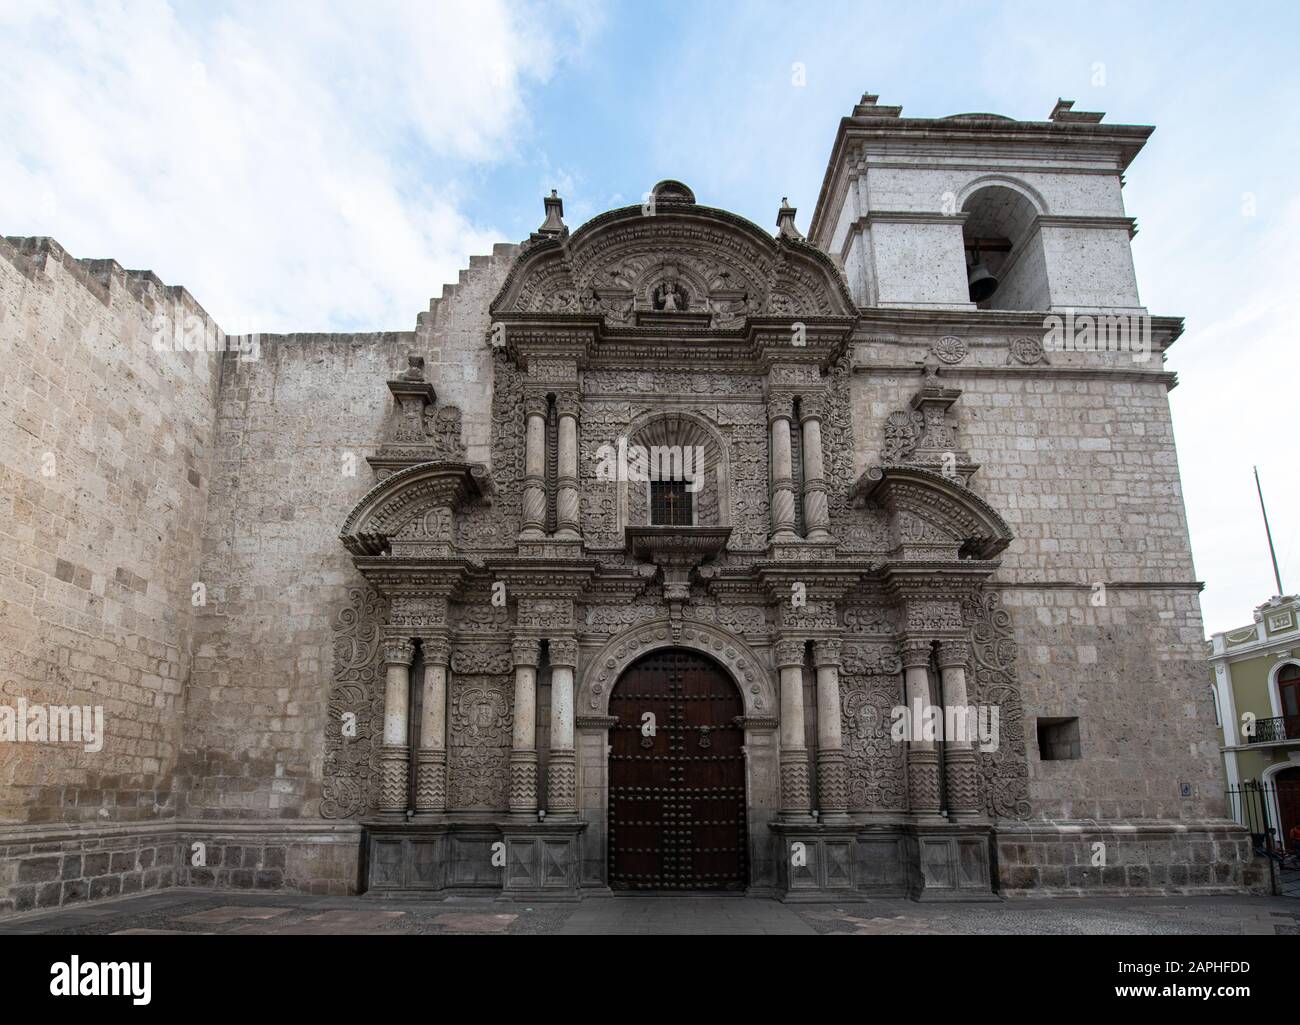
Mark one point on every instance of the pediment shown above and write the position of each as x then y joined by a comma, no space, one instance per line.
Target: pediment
414,505
933,516
673,257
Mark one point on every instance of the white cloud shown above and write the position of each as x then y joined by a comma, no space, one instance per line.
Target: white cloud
296,166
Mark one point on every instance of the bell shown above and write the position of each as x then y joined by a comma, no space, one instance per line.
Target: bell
982,284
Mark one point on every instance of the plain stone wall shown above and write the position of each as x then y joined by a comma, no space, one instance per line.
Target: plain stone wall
277,575
1078,457
103,490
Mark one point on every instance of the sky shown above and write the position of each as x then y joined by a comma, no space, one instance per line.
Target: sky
304,166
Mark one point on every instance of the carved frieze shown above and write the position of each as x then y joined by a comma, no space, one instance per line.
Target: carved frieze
354,722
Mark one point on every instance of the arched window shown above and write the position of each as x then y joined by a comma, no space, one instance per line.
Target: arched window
1005,264
1288,693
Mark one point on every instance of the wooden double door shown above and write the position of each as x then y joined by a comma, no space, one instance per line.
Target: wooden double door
676,777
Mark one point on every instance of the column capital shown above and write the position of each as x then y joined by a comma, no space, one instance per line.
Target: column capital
826,651
811,407
398,651
568,403
563,651
788,652
914,652
535,404
953,653
780,407
435,648
524,651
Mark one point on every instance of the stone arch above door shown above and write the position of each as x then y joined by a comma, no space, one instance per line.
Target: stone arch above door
748,671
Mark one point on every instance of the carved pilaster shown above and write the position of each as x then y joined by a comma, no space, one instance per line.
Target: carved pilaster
780,411
393,779
922,780
962,776
534,501
523,782
832,783
431,780
562,783
796,792
567,500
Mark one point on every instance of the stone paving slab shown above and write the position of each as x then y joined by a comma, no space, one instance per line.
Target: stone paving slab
198,912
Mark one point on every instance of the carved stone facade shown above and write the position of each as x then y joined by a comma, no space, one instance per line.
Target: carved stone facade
671,429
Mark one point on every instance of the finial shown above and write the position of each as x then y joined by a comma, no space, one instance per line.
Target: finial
414,368
554,223
785,220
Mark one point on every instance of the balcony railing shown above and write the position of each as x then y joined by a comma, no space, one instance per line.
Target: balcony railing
1282,727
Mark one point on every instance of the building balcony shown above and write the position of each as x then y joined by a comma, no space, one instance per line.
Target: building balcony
1279,728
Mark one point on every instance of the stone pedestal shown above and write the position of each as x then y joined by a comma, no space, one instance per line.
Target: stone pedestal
950,862
542,861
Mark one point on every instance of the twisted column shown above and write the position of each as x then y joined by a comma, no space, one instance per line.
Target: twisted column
562,767
431,757
534,508
832,767
816,510
566,499
394,752
796,796
780,411
961,770
523,752
922,758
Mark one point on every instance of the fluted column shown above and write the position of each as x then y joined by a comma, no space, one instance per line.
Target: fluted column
566,501
395,753
922,758
431,757
523,751
816,511
832,769
796,797
534,510
562,767
780,410
961,773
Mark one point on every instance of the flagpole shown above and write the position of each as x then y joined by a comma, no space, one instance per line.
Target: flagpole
1277,577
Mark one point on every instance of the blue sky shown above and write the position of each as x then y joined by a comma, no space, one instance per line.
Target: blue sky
315,166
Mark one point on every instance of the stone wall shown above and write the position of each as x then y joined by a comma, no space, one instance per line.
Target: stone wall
293,431
107,446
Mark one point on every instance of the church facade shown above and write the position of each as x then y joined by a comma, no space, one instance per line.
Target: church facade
667,553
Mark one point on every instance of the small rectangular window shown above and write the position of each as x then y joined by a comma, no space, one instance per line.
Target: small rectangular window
1058,739
670,504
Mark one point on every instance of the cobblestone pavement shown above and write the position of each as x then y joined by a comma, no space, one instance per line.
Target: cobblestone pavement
203,911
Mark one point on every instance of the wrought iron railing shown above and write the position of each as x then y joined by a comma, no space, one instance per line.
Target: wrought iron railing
1282,727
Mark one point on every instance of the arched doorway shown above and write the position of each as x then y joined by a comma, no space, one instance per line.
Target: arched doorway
677,791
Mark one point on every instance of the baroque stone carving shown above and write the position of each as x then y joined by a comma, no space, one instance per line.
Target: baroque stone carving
994,683
356,708
874,761
479,741
950,349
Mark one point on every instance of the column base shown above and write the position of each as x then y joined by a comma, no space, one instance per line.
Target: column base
430,782
523,784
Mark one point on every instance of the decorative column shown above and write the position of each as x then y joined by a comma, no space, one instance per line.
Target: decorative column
395,754
960,768
534,509
780,411
566,501
431,757
922,758
523,752
816,511
562,767
832,768
796,800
